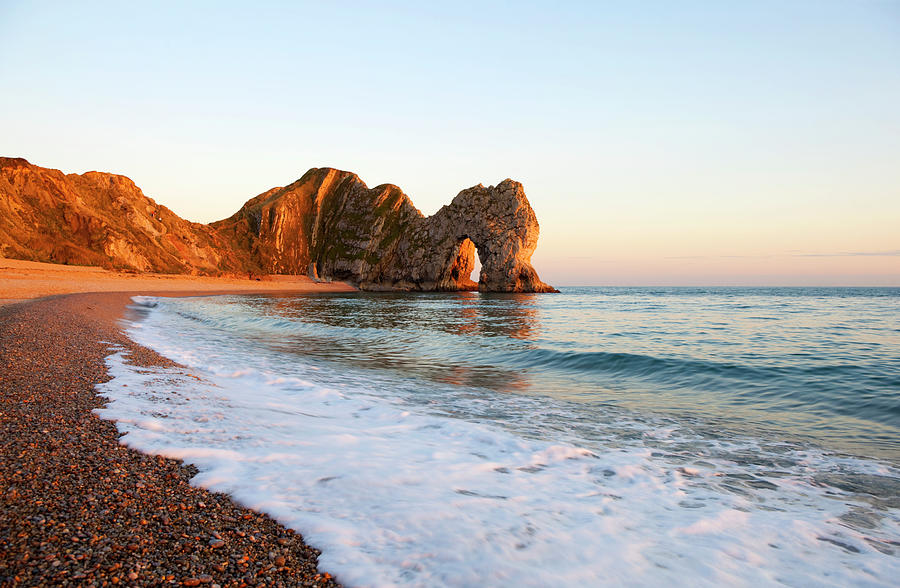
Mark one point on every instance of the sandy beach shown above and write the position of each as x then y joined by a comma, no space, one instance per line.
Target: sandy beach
24,280
78,509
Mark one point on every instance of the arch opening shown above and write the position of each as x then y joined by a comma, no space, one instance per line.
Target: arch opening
475,276
463,266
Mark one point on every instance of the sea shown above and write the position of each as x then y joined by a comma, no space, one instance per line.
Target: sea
624,436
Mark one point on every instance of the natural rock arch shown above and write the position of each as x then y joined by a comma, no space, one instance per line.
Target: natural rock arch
332,225
497,221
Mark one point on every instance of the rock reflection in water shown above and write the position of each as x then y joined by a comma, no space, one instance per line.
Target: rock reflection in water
492,315
403,333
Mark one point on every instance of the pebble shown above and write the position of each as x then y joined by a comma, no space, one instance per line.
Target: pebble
74,498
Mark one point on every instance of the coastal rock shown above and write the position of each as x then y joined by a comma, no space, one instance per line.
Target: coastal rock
438,252
328,225
104,220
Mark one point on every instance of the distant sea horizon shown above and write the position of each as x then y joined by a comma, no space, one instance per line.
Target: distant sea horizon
762,286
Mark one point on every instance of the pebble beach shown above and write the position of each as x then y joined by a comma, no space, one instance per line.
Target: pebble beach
79,509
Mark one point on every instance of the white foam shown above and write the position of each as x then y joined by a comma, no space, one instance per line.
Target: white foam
393,495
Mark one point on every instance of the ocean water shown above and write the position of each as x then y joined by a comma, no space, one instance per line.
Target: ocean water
635,436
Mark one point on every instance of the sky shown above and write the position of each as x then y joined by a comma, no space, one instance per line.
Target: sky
660,143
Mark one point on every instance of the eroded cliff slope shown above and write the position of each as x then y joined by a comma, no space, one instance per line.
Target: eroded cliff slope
328,224
104,220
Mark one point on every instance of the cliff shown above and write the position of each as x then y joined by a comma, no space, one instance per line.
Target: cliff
328,223
101,219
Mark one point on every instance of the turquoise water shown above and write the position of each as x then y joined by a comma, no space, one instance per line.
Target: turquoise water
811,364
640,436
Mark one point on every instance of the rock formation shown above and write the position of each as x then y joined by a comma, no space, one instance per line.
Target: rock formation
101,219
328,224
332,225
437,253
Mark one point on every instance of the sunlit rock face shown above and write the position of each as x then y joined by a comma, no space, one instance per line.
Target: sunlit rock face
104,220
332,225
499,222
328,224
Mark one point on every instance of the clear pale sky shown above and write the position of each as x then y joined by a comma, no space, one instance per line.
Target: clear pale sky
659,143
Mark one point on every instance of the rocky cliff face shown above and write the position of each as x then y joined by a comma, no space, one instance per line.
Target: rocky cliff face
331,224
328,219
101,219
327,223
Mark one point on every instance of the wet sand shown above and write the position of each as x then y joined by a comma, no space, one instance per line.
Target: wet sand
77,508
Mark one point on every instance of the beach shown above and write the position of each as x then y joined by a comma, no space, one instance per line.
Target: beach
442,439
77,508
488,300
25,280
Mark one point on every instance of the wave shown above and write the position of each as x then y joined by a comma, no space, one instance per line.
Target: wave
397,493
837,387
855,390
636,365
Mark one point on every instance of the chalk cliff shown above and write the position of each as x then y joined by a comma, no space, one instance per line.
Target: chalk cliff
328,224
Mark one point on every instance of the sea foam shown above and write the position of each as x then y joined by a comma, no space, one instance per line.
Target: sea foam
395,492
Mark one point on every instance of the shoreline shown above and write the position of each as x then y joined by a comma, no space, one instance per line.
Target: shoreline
27,280
78,508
